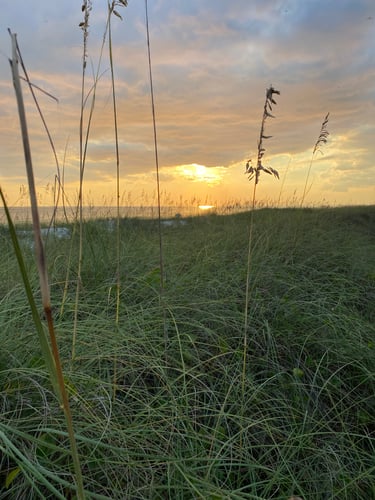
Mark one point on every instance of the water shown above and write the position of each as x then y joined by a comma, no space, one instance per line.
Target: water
22,215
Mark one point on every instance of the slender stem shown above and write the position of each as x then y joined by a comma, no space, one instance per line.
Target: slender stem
307,180
161,263
118,236
247,292
79,212
283,181
255,173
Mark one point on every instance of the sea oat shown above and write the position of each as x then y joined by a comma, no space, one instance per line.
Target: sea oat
255,171
323,135
322,139
84,25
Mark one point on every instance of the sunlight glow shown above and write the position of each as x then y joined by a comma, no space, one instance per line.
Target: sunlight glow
206,207
200,173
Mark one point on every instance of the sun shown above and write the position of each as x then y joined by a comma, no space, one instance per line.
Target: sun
200,173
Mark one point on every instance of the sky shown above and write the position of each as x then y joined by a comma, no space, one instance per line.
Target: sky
212,61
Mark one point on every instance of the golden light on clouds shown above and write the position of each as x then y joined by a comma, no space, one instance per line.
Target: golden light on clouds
200,173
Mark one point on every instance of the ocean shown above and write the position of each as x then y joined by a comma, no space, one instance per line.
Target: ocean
22,215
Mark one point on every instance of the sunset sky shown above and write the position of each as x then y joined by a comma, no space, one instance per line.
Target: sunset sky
212,61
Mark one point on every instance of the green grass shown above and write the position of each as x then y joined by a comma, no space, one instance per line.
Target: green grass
179,426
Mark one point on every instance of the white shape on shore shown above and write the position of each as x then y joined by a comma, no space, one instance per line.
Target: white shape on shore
27,236
177,221
57,232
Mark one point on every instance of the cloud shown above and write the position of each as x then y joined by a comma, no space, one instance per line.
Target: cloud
212,62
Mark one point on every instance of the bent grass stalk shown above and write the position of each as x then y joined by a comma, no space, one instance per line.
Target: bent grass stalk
52,357
254,174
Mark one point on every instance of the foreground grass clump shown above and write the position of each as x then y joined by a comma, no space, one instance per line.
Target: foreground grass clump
179,425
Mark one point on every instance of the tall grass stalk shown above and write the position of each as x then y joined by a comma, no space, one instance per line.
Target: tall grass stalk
111,10
83,140
283,181
84,133
55,366
161,260
254,174
322,139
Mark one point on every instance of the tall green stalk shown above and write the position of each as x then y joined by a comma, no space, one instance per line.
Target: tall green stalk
161,258
111,10
52,356
86,8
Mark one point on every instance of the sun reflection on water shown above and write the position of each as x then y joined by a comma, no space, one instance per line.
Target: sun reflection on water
206,207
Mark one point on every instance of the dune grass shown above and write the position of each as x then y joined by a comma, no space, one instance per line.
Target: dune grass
178,426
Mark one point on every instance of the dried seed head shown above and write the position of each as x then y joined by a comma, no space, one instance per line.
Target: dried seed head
117,14
323,135
255,171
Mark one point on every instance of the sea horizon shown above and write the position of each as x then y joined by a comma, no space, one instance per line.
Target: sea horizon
49,214
22,215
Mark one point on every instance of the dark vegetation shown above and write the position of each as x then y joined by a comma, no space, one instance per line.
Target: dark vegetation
176,423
